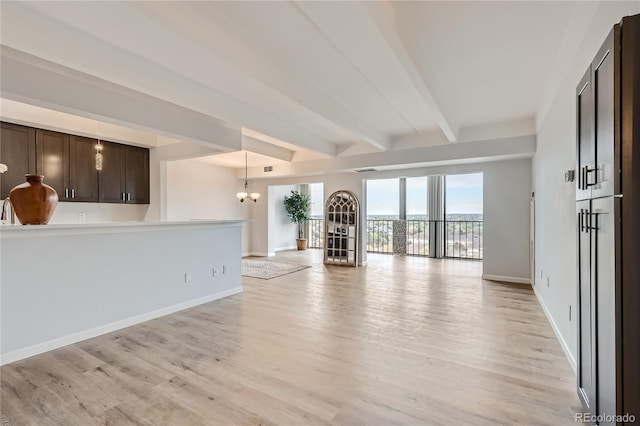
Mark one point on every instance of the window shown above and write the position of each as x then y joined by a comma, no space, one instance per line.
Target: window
383,199
315,229
463,225
383,207
463,197
417,198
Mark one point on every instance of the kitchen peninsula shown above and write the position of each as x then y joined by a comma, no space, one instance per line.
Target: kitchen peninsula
64,283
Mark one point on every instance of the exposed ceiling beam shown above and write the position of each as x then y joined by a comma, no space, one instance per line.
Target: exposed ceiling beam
41,83
291,87
423,80
260,147
60,41
353,32
458,153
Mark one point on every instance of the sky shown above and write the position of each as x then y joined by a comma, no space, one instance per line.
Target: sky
463,195
317,196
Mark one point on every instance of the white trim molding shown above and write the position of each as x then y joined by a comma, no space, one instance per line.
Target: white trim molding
504,279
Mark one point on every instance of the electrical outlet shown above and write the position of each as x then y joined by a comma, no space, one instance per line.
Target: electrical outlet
187,277
540,273
224,269
82,217
547,282
215,272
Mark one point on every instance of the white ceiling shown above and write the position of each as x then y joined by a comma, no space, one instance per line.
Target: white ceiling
312,80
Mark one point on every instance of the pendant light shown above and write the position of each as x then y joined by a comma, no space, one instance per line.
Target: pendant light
245,194
99,152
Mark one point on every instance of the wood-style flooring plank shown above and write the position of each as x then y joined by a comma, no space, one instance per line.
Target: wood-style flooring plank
404,340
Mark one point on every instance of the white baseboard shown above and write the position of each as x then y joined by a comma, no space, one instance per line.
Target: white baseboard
59,342
258,254
286,248
506,279
556,331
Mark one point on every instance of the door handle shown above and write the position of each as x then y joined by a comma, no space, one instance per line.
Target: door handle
580,219
73,193
593,221
123,199
128,196
66,193
588,171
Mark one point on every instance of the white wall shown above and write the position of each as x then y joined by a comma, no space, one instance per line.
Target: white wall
199,190
507,191
555,217
282,232
89,281
98,212
260,238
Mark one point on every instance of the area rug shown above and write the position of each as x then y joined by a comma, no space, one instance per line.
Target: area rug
267,270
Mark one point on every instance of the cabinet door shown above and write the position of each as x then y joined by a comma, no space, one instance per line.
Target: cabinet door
137,175
586,311
83,176
111,179
604,214
52,150
606,176
18,152
584,137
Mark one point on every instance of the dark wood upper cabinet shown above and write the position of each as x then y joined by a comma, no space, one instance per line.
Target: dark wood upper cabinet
605,179
52,150
137,175
83,176
124,177
111,179
68,165
18,152
584,131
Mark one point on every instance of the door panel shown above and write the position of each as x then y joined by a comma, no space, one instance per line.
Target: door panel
604,270
111,179
83,176
137,175
607,172
584,137
586,352
18,152
52,150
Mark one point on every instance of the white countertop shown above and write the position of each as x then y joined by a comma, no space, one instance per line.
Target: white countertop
17,231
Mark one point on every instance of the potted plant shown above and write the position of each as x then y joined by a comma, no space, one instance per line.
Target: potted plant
297,206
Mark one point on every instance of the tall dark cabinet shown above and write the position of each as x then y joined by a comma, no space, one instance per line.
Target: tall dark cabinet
608,202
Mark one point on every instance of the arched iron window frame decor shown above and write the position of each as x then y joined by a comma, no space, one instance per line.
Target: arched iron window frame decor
341,231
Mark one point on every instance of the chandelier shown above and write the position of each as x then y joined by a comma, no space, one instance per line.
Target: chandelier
245,194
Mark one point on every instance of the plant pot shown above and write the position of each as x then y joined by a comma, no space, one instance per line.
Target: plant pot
33,201
302,243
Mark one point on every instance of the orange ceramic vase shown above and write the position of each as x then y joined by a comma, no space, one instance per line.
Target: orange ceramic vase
33,201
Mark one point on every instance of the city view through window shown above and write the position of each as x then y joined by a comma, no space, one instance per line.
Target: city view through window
457,230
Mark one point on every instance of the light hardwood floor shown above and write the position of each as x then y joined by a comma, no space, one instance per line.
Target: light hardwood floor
404,340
